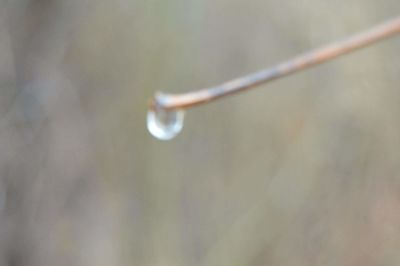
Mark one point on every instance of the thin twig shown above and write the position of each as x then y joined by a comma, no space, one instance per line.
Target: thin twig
296,64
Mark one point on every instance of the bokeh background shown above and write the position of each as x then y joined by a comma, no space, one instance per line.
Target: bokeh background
302,171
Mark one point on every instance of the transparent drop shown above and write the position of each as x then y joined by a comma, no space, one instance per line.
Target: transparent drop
163,124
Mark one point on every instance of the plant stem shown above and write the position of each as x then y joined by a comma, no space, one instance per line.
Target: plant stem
296,64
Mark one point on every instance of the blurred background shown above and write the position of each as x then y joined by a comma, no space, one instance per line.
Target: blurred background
302,171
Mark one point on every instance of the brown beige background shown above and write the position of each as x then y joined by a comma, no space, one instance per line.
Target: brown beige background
302,171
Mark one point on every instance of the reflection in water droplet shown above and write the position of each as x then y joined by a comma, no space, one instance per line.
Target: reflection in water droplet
165,125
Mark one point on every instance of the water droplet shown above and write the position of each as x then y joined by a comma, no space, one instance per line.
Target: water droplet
163,124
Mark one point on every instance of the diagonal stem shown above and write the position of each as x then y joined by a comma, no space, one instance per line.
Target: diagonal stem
296,64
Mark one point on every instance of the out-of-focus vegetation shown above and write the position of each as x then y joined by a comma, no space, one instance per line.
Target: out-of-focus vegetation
302,171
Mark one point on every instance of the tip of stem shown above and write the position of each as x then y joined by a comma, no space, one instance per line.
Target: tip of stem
159,101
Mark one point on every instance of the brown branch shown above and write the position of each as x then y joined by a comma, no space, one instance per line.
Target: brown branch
296,64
